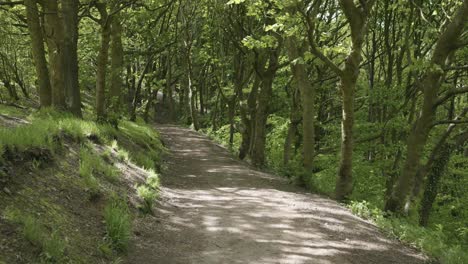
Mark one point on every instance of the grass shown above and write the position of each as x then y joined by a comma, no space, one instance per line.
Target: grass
149,191
428,240
153,179
92,165
87,170
46,130
148,155
51,130
148,195
52,246
48,127
118,223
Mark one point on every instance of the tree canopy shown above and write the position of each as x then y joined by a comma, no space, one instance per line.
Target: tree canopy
365,101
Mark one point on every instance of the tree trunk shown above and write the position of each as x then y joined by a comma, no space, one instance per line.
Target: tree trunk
435,174
54,33
137,96
419,134
301,80
102,61
262,113
117,63
294,120
357,18
170,92
344,182
11,90
192,91
38,53
252,111
72,88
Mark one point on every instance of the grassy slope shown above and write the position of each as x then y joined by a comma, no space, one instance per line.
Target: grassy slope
64,190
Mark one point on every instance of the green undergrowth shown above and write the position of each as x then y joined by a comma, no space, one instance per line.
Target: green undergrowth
118,222
49,127
433,241
149,191
51,245
92,165
83,157
12,112
445,239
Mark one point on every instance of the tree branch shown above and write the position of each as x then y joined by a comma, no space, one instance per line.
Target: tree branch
13,3
313,46
449,94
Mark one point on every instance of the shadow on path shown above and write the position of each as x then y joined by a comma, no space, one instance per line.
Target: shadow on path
215,209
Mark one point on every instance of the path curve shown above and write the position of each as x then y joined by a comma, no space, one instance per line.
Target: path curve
216,209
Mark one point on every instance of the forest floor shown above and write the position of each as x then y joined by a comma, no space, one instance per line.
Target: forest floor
216,209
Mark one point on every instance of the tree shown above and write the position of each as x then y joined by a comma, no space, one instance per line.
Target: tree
357,18
38,53
430,84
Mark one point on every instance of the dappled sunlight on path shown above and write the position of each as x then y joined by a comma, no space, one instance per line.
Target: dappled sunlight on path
215,209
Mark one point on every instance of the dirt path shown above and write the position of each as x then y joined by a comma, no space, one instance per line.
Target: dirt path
215,209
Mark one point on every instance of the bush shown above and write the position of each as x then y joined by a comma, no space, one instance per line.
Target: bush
118,223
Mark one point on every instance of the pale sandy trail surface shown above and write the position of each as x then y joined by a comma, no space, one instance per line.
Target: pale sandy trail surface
216,209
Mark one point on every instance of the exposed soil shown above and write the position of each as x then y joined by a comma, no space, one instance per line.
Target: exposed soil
216,209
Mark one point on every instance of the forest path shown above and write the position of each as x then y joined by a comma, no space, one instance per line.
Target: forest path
216,209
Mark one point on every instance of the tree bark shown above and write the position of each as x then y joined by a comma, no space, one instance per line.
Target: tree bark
137,95
38,53
432,183
307,90
418,136
72,88
54,33
192,91
102,61
248,119
117,63
357,19
262,113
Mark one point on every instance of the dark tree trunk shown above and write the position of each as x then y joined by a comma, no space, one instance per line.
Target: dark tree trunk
72,88
117,63
38,53
54,33
102,61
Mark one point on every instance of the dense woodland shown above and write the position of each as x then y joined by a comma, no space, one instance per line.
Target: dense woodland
365,101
